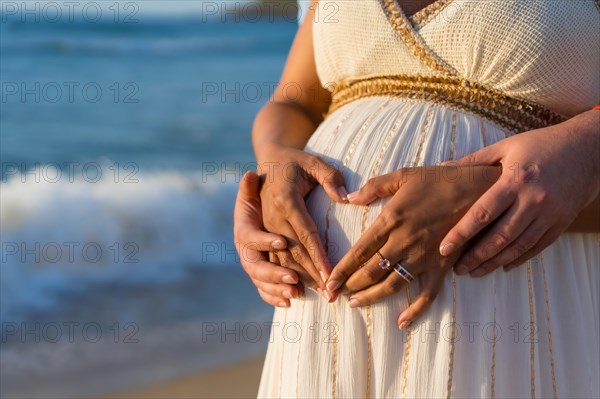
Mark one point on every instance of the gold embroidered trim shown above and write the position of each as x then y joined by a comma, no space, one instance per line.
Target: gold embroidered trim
510,113
550,351
412,39
531,329
597,3
422,17
453,339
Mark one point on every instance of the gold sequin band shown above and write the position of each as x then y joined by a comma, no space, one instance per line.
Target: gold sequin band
508,112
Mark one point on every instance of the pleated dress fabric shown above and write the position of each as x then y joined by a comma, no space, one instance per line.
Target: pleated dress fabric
531,332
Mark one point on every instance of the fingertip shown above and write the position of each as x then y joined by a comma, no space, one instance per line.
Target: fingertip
404,325
289,279
448,248
279,243
343,193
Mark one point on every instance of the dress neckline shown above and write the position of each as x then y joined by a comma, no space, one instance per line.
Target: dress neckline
426,14
410,35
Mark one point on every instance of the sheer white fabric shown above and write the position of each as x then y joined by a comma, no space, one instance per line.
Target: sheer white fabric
532,332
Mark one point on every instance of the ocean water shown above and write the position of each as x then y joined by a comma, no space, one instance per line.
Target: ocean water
121,148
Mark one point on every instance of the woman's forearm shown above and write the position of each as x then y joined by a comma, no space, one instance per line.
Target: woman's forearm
280,124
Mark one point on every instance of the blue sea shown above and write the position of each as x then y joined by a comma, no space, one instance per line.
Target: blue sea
121,147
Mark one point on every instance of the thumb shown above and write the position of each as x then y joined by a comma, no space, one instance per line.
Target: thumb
329,178
377,187
486,156
249,187
248,230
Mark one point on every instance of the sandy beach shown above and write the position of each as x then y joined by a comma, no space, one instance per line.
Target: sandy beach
239,380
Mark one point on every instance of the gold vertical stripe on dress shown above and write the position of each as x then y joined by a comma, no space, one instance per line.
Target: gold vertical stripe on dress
374,172
531,329
453,137
453,339
299,351
406,349
484,140
335,354
548,321
345,162
453,317
428,119
327,151
493,368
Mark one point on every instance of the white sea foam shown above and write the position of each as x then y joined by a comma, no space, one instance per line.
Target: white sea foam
60,236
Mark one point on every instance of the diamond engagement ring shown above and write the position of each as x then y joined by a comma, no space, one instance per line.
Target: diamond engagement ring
384,263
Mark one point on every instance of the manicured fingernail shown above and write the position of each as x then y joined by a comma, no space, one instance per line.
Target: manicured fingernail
288,294
462,269
354,303
282,304
447,248
324,277
277,244
325,294
352,196
404,325
333,285
289,279
343,193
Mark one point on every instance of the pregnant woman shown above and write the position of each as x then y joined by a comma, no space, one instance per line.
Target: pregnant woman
429,202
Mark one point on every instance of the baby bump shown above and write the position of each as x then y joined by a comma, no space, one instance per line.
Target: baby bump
375,136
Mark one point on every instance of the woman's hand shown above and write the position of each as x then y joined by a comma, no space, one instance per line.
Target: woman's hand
426,202
549,176
275,284
291,175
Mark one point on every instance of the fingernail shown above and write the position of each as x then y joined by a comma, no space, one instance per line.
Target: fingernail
462,269
333,285
343,193
289,280
325,294
352,196
288,294
354,303
404,325
277,244
447,248
282,304
324,277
